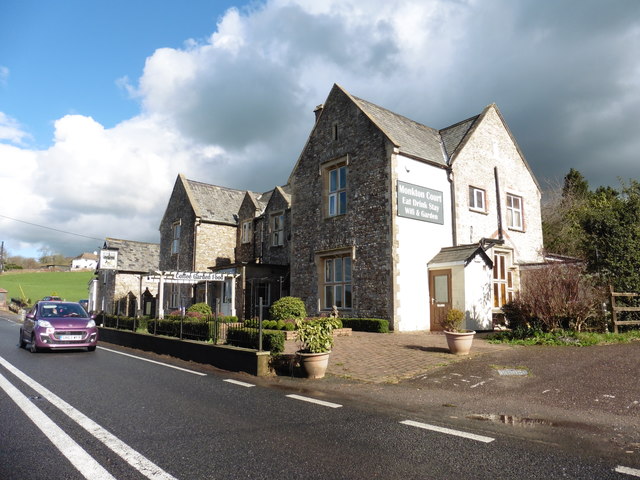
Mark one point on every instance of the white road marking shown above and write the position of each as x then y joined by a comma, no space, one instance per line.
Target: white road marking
77,455
448,431
128,454
237,382
478,384
313,400
628,471
153,361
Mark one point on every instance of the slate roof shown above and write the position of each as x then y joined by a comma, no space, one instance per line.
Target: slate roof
215,204
410,137
139,257
460,254
452,136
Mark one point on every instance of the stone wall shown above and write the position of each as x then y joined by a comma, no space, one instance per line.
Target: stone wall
365,229
491,147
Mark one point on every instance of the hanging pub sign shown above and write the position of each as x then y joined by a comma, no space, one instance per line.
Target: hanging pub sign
108,259
420,203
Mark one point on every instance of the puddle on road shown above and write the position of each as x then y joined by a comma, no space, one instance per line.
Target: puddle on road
528,422
512,420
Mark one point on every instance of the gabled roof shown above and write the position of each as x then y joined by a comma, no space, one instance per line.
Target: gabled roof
411,138
213,203
138,257
462,254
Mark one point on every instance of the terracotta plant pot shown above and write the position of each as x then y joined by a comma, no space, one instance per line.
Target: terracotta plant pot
314,364
460,342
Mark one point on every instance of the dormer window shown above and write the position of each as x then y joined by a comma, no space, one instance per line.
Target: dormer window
175,238
246,232
277,230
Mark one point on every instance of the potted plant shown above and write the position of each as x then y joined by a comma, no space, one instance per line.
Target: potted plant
459,339
316,339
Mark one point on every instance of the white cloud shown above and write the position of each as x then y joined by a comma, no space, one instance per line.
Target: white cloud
11,130
235,109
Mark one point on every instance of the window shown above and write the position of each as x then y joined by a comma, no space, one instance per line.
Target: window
514,212
334,131
503,284
175,238
337,191
246,232
337,283
477,198
277,229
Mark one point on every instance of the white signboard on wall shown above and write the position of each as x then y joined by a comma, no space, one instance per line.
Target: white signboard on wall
420,203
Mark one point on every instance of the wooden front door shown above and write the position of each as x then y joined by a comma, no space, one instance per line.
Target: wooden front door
439,296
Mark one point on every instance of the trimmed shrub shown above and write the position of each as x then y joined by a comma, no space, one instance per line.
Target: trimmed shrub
376,325
202,308
271,341
287,308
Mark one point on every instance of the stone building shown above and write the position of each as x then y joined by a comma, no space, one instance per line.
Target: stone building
198,233
263,250
393,219
121,285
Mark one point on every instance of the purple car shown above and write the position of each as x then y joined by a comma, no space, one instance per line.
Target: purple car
58,325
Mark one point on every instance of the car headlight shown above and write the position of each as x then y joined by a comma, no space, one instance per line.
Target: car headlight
44,323
91,324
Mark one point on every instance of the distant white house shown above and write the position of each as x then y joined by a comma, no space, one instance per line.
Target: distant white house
86,261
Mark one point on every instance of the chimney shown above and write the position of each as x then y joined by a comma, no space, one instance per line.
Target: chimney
318,111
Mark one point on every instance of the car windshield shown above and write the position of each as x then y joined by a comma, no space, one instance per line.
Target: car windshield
61,310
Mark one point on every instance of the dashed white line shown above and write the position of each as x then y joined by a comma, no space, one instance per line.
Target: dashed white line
153,361
128,454
449,431
628,471
313,400
238,382
77,455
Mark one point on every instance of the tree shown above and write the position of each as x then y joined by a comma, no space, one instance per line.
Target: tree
561,215
611,242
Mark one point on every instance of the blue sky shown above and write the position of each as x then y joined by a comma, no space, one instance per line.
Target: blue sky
67,57
103,104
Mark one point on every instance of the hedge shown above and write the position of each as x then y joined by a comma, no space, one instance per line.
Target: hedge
271,341
376,325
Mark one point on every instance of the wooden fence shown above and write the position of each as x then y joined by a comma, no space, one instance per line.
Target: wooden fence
615,309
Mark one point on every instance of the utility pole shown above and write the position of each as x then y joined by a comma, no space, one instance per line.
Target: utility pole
2,257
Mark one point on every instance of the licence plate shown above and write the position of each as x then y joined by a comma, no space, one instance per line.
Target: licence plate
70,337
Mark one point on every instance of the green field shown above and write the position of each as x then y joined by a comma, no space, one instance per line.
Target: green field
71,286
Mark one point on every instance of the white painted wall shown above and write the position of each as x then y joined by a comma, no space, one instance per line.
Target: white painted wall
416,242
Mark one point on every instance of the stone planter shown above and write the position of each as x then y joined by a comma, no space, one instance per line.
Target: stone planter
460,342
314,364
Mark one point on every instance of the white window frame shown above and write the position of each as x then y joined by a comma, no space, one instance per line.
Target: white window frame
247,230
175,237
276,224
337,285
477,199
515,213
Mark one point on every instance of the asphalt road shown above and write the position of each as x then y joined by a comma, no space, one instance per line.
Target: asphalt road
117,413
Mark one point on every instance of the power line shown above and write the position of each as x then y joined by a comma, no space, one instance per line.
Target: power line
51,228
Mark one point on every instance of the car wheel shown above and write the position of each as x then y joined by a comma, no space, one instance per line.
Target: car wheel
91,349
21,342
32,347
